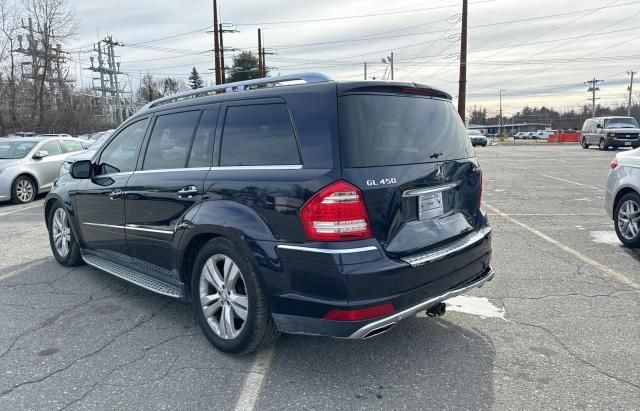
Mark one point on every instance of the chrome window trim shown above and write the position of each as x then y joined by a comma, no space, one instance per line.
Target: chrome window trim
124,173
430,190
327,250
149,230
270,167
447,249
171,170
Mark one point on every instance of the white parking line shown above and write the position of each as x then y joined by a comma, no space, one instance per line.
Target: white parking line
254,381
618,276
573,182
550,215
21,209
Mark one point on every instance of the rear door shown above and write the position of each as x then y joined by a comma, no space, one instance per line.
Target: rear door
168,183
412,159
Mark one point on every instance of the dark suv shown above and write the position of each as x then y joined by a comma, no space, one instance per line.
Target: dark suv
291,204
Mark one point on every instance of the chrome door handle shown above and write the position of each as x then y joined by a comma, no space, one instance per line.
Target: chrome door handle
115,194
188,192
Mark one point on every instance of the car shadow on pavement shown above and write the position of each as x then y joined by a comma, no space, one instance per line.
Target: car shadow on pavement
422,363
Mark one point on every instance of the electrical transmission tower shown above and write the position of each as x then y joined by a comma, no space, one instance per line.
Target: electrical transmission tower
109,87
593,87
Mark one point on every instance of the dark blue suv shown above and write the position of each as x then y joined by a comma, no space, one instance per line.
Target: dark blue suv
292,204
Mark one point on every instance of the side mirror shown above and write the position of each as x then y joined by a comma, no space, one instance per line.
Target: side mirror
599,125
40,154
81,169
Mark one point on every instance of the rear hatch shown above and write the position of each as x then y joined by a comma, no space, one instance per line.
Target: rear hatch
408,152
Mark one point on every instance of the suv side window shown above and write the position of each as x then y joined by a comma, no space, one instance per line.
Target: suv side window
52,148
257,135
121,154
170,141
71,145
202,148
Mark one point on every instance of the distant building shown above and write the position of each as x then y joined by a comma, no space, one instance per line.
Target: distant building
509,128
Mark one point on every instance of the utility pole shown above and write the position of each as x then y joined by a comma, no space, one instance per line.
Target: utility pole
631,72
114,71
391,59
593,87
222,74
500,120
365,70
462,82
260,68
216,45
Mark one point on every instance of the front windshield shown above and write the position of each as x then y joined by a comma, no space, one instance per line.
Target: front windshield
99,142
15,149
621,122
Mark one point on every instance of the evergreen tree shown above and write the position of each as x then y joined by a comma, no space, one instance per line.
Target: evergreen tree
245,67
195,81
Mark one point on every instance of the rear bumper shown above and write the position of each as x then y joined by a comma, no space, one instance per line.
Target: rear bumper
369,278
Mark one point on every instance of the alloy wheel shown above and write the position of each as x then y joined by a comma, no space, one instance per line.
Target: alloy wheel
223,296
629,219
24,190
61,232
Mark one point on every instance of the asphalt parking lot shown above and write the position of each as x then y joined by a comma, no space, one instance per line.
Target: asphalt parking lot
561,330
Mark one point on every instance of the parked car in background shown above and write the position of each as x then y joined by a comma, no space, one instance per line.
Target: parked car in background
622,196
22,134
55,135
319,213
606,132
86,154
519,135
30,165
477,138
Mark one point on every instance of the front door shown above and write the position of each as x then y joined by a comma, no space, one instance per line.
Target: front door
168,183
99,201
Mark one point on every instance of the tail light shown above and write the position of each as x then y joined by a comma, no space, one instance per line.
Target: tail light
481,184
336,213
614,163
360,314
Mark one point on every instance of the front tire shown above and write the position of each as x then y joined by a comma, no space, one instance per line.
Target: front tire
602,145
63,243
627,220
584,143
23,190
229,301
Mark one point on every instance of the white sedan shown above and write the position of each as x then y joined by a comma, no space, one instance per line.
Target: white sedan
622,197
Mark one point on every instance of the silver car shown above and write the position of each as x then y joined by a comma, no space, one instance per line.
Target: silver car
30,165
622,196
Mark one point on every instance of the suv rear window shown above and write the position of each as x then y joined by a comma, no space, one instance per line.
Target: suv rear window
378,130
258,135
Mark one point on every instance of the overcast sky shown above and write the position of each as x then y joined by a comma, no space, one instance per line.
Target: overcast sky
539,52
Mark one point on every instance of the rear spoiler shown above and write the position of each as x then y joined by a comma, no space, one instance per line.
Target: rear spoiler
391,88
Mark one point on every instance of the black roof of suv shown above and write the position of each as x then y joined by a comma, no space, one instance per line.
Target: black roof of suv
295,204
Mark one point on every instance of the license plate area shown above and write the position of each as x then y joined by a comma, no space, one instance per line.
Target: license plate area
430,206
627,143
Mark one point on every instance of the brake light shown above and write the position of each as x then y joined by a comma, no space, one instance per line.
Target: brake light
336,213
614,163
361,314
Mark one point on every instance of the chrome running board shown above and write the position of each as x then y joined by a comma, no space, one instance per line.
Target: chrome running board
132,276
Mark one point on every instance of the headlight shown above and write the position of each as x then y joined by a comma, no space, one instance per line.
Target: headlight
611,135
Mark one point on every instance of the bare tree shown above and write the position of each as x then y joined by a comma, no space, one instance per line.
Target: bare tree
9,24
55,23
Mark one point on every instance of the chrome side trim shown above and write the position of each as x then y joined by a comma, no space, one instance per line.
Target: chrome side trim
134,227
453,247
124,173
430,190
327,250
104,225
273,167
411,311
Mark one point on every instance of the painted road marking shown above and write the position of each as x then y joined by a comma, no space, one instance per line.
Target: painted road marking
21,209
550,215
573,182
618,276
254,381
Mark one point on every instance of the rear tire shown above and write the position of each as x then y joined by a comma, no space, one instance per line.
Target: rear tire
23,190
225,286
603,145
584,143
63,242
627,219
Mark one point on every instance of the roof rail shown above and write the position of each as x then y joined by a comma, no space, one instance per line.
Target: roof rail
238,86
